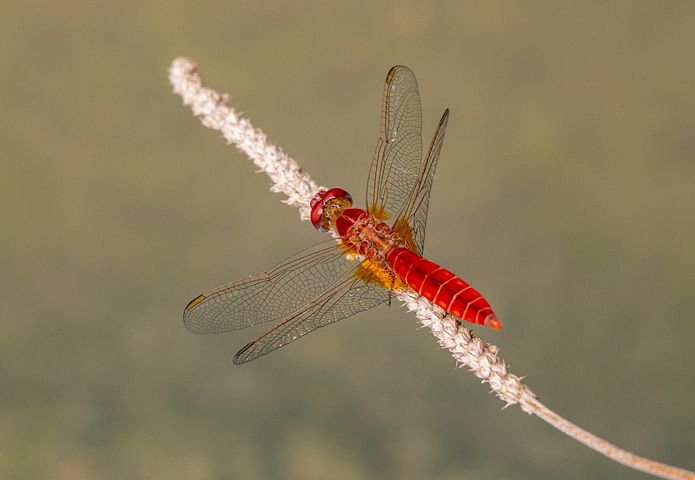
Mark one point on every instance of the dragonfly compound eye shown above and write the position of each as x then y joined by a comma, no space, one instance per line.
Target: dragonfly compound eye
327,205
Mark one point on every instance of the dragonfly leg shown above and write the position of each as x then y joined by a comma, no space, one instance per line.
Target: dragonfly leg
392,286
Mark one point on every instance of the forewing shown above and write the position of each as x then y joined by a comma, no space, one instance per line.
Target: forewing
348,297
398,155
415,209
272,294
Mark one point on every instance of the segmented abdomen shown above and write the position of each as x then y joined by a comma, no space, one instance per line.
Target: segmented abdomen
441,287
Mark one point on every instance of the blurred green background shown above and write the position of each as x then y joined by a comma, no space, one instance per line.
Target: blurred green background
564,193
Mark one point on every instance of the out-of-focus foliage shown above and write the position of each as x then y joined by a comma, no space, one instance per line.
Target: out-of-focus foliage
565,193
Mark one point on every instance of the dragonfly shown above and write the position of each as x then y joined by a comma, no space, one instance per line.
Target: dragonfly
373,252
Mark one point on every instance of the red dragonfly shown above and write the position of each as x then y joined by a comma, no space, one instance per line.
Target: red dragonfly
372,258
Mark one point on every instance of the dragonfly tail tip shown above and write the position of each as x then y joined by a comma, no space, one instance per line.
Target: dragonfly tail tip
491,321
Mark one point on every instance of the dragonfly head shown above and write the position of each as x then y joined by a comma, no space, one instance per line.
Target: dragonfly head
327,205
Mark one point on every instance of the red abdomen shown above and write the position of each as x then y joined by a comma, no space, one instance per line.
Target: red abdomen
442,287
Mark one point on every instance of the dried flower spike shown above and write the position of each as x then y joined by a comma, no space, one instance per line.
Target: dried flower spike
479,357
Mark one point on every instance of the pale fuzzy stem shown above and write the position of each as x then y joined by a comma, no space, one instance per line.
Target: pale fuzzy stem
482,360
531,404
210,107
479,357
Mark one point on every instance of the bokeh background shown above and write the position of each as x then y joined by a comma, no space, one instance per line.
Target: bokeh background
565,193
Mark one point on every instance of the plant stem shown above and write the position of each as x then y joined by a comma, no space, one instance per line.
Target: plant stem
469,351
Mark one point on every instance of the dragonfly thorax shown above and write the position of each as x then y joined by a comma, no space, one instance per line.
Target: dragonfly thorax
362,232
368,235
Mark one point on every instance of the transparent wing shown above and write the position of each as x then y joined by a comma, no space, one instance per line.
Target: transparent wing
415,208
346,298
272,294
398,154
